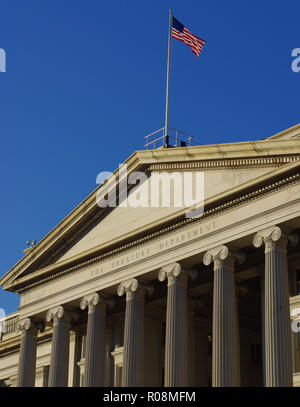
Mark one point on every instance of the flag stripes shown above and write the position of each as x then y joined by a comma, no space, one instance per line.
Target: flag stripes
181,33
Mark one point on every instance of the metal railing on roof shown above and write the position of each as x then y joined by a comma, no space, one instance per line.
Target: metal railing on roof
174,138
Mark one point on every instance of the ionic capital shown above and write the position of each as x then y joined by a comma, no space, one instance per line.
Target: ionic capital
273,235
57,314
218,255
129,287
24,325
28,324
132,288
171,271
93,300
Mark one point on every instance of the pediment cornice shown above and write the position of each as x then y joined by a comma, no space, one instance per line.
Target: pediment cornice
240,195
292,133
84,216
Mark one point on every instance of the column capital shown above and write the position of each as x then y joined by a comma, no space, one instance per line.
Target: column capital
132,287
219,254
57,314
173,270
129,287
28,324
271,235
91,301
25,325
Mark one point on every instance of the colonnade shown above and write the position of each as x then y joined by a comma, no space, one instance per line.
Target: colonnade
225,332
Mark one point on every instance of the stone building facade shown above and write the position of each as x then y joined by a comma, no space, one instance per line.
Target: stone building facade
149,297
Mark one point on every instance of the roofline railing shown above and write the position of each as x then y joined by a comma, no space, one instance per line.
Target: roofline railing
177,138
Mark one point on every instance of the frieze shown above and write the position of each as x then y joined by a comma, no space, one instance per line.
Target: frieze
132,257
228,163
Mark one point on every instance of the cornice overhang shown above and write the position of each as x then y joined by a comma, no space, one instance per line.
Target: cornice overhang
86,212
245,149
265,184
290,133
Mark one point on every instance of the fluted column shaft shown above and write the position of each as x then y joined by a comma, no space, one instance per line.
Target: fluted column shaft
108,358
225,355
95,340
176,354
225,366
133,353
262,290
59,361
277,317
240,290
278,341
27,358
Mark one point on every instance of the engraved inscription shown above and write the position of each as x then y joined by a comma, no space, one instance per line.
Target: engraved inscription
96,271
116,263
186,236
130,258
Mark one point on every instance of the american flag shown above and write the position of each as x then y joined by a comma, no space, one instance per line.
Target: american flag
180,32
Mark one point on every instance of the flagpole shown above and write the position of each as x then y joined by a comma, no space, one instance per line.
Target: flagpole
168,81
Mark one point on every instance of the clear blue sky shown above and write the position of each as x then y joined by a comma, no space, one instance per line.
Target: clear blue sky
85,82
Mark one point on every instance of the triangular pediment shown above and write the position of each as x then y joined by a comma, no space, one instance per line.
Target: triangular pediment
126,219
88,229
290,134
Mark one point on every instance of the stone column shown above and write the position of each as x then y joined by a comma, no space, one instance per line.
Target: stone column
225,363
261,271
27,358
240,290
95,340
133,354
59,361
176,354
108,358
278,342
